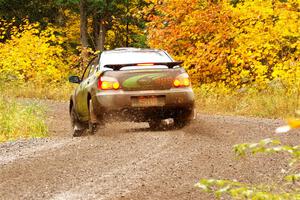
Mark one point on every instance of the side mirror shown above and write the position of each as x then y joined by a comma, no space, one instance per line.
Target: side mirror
74,79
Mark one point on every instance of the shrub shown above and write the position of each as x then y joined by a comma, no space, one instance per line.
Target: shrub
33,54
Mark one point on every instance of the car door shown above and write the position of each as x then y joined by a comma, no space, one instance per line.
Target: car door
81,98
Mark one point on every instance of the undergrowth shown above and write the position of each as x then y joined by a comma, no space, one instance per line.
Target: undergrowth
269,103
59,91
20,120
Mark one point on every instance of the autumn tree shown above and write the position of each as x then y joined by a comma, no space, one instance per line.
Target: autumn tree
197,32
117,20
241,43
84,31
35,10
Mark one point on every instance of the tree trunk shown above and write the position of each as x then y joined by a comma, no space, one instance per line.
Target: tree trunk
96,28
99,32
102,33
127,23
83,32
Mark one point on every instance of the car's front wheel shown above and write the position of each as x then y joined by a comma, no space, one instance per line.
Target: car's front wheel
93,121
78,128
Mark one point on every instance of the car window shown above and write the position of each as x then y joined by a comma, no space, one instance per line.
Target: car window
94,66
86,72
121,57
90,68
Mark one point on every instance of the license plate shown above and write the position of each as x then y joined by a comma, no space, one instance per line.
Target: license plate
147,101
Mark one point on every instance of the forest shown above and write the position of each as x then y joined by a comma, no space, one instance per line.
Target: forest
234,44
234,50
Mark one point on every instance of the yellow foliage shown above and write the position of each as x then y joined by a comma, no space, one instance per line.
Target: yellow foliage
71,29
250,44
33,54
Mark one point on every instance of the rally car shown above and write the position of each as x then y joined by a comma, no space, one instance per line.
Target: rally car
130,84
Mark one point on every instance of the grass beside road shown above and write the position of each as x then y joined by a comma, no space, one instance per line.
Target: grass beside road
271,103
21,120
60,91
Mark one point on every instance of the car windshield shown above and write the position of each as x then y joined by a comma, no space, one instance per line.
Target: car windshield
127,57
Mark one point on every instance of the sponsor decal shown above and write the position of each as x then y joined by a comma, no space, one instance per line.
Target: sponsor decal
145,80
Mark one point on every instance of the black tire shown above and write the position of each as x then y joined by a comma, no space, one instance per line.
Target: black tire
93,127
155,124
183,119
78,132
77,127
181,123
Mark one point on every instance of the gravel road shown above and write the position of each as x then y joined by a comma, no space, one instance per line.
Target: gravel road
128,161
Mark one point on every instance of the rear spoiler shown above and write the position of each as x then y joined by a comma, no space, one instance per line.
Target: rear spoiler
117,67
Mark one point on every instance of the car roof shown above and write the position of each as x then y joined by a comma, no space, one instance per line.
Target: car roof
131,49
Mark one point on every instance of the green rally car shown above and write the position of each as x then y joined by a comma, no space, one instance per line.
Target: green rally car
129,84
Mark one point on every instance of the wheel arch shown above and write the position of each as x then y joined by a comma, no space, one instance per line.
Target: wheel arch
89,97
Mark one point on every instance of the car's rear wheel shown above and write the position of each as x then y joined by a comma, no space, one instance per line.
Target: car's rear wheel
78,128
183,118
155,124
180,123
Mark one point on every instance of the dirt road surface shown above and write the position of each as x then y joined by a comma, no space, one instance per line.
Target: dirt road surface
128,161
